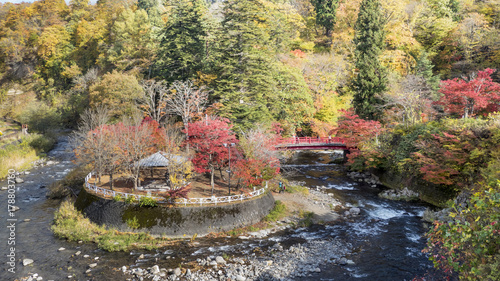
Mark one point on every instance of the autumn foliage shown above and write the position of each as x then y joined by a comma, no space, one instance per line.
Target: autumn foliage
468,98
359,135
206,138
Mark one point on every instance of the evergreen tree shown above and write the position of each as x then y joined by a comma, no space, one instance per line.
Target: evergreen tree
245,85
152,8
326,14
424,69
182,50
371,79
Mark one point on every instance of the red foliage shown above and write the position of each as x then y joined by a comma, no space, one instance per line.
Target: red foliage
254,171
207,138
298,53
179,193
355,130
444,158
466,98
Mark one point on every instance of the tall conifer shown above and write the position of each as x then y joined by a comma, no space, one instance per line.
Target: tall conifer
371,79
245,85
326,14
182,49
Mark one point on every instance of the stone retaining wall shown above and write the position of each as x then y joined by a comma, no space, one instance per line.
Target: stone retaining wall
173,221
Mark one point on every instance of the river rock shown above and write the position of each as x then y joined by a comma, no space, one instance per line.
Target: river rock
124,268
61,249
27,262
86,256
155,269
19,180
177,272
14,208
4,188
220,260
240,278
355,211
78,253
92,265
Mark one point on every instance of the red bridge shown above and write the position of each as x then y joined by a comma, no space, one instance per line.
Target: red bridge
307,143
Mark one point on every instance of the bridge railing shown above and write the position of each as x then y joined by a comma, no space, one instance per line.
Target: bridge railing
310,140
162,200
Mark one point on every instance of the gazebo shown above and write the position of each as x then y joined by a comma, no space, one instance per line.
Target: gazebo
155,172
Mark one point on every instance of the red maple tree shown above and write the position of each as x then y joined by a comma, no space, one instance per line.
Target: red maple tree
207,138
358,135
468,98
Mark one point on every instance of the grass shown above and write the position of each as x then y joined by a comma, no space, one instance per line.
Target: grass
20,156
74,226
297,189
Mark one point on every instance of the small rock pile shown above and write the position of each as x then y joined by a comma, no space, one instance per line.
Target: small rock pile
365,177
403,194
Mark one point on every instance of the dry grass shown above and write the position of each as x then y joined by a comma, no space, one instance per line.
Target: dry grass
13,157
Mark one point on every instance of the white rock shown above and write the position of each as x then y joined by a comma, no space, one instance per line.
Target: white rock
19,180
61,249
220,260
177,272
155,269
78,253
27,262
92,265
269,262
86,256
124,268
240,278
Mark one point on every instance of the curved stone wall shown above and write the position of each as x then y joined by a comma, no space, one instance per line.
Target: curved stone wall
173,221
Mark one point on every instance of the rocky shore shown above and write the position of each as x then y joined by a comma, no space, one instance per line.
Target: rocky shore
276,263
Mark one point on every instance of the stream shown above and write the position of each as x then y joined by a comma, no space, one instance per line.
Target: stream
383,242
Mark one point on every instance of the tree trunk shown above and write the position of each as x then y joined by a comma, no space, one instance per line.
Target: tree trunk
110,180
221,176
212,172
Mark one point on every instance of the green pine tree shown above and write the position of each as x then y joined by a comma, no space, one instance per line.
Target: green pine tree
182,50
371,79
245,85
326,14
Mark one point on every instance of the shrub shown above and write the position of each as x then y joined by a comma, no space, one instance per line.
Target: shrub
130,199
469,243
41,143
307,218
147,201
117,198
278,212
40,117
133,223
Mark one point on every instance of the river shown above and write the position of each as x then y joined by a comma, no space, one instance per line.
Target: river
384,241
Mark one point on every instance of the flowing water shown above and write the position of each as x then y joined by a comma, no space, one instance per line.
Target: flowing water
386,237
